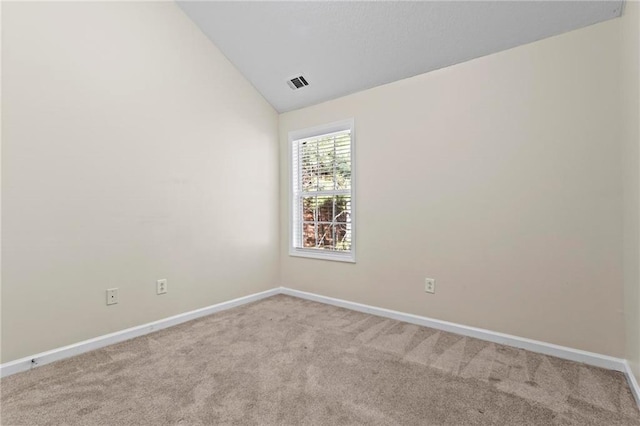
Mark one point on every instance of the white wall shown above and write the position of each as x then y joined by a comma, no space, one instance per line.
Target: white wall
132,151
501,178
137,152
630,74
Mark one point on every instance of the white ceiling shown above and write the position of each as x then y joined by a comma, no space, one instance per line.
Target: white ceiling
345,47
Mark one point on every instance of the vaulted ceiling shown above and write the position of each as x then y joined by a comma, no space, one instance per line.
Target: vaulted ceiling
345,47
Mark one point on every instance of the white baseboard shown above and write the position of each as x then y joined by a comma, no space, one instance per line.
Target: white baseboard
47,357
590,358
571,354
633,383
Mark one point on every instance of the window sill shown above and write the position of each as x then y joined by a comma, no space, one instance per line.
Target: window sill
314,254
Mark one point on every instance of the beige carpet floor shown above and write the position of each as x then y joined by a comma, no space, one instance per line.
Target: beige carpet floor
287,361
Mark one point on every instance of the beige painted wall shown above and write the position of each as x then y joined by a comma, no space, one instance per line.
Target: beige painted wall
501,178
511,168
132,151
630,74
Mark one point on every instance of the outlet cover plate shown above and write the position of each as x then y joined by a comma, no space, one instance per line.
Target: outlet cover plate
112,296
161,286
430,285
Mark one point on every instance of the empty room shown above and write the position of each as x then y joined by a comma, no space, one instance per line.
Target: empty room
320,213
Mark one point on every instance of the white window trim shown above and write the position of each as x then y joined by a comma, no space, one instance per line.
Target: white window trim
295,135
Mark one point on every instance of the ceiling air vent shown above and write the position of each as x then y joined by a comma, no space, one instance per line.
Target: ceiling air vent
297,82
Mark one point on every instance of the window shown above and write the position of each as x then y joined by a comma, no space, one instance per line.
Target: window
322,193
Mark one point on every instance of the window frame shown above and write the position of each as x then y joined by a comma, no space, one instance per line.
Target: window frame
312,132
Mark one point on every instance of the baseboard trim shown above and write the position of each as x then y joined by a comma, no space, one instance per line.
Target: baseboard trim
590,358
633,383
47,357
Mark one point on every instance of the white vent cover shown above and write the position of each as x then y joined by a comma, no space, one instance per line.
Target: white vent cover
297,82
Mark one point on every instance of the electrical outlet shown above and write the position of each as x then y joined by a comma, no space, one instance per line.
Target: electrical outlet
161,286
430,285
112,296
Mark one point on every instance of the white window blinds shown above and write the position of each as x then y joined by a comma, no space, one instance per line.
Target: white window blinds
322,199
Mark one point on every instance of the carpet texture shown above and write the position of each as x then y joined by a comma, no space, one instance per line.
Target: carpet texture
289,361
